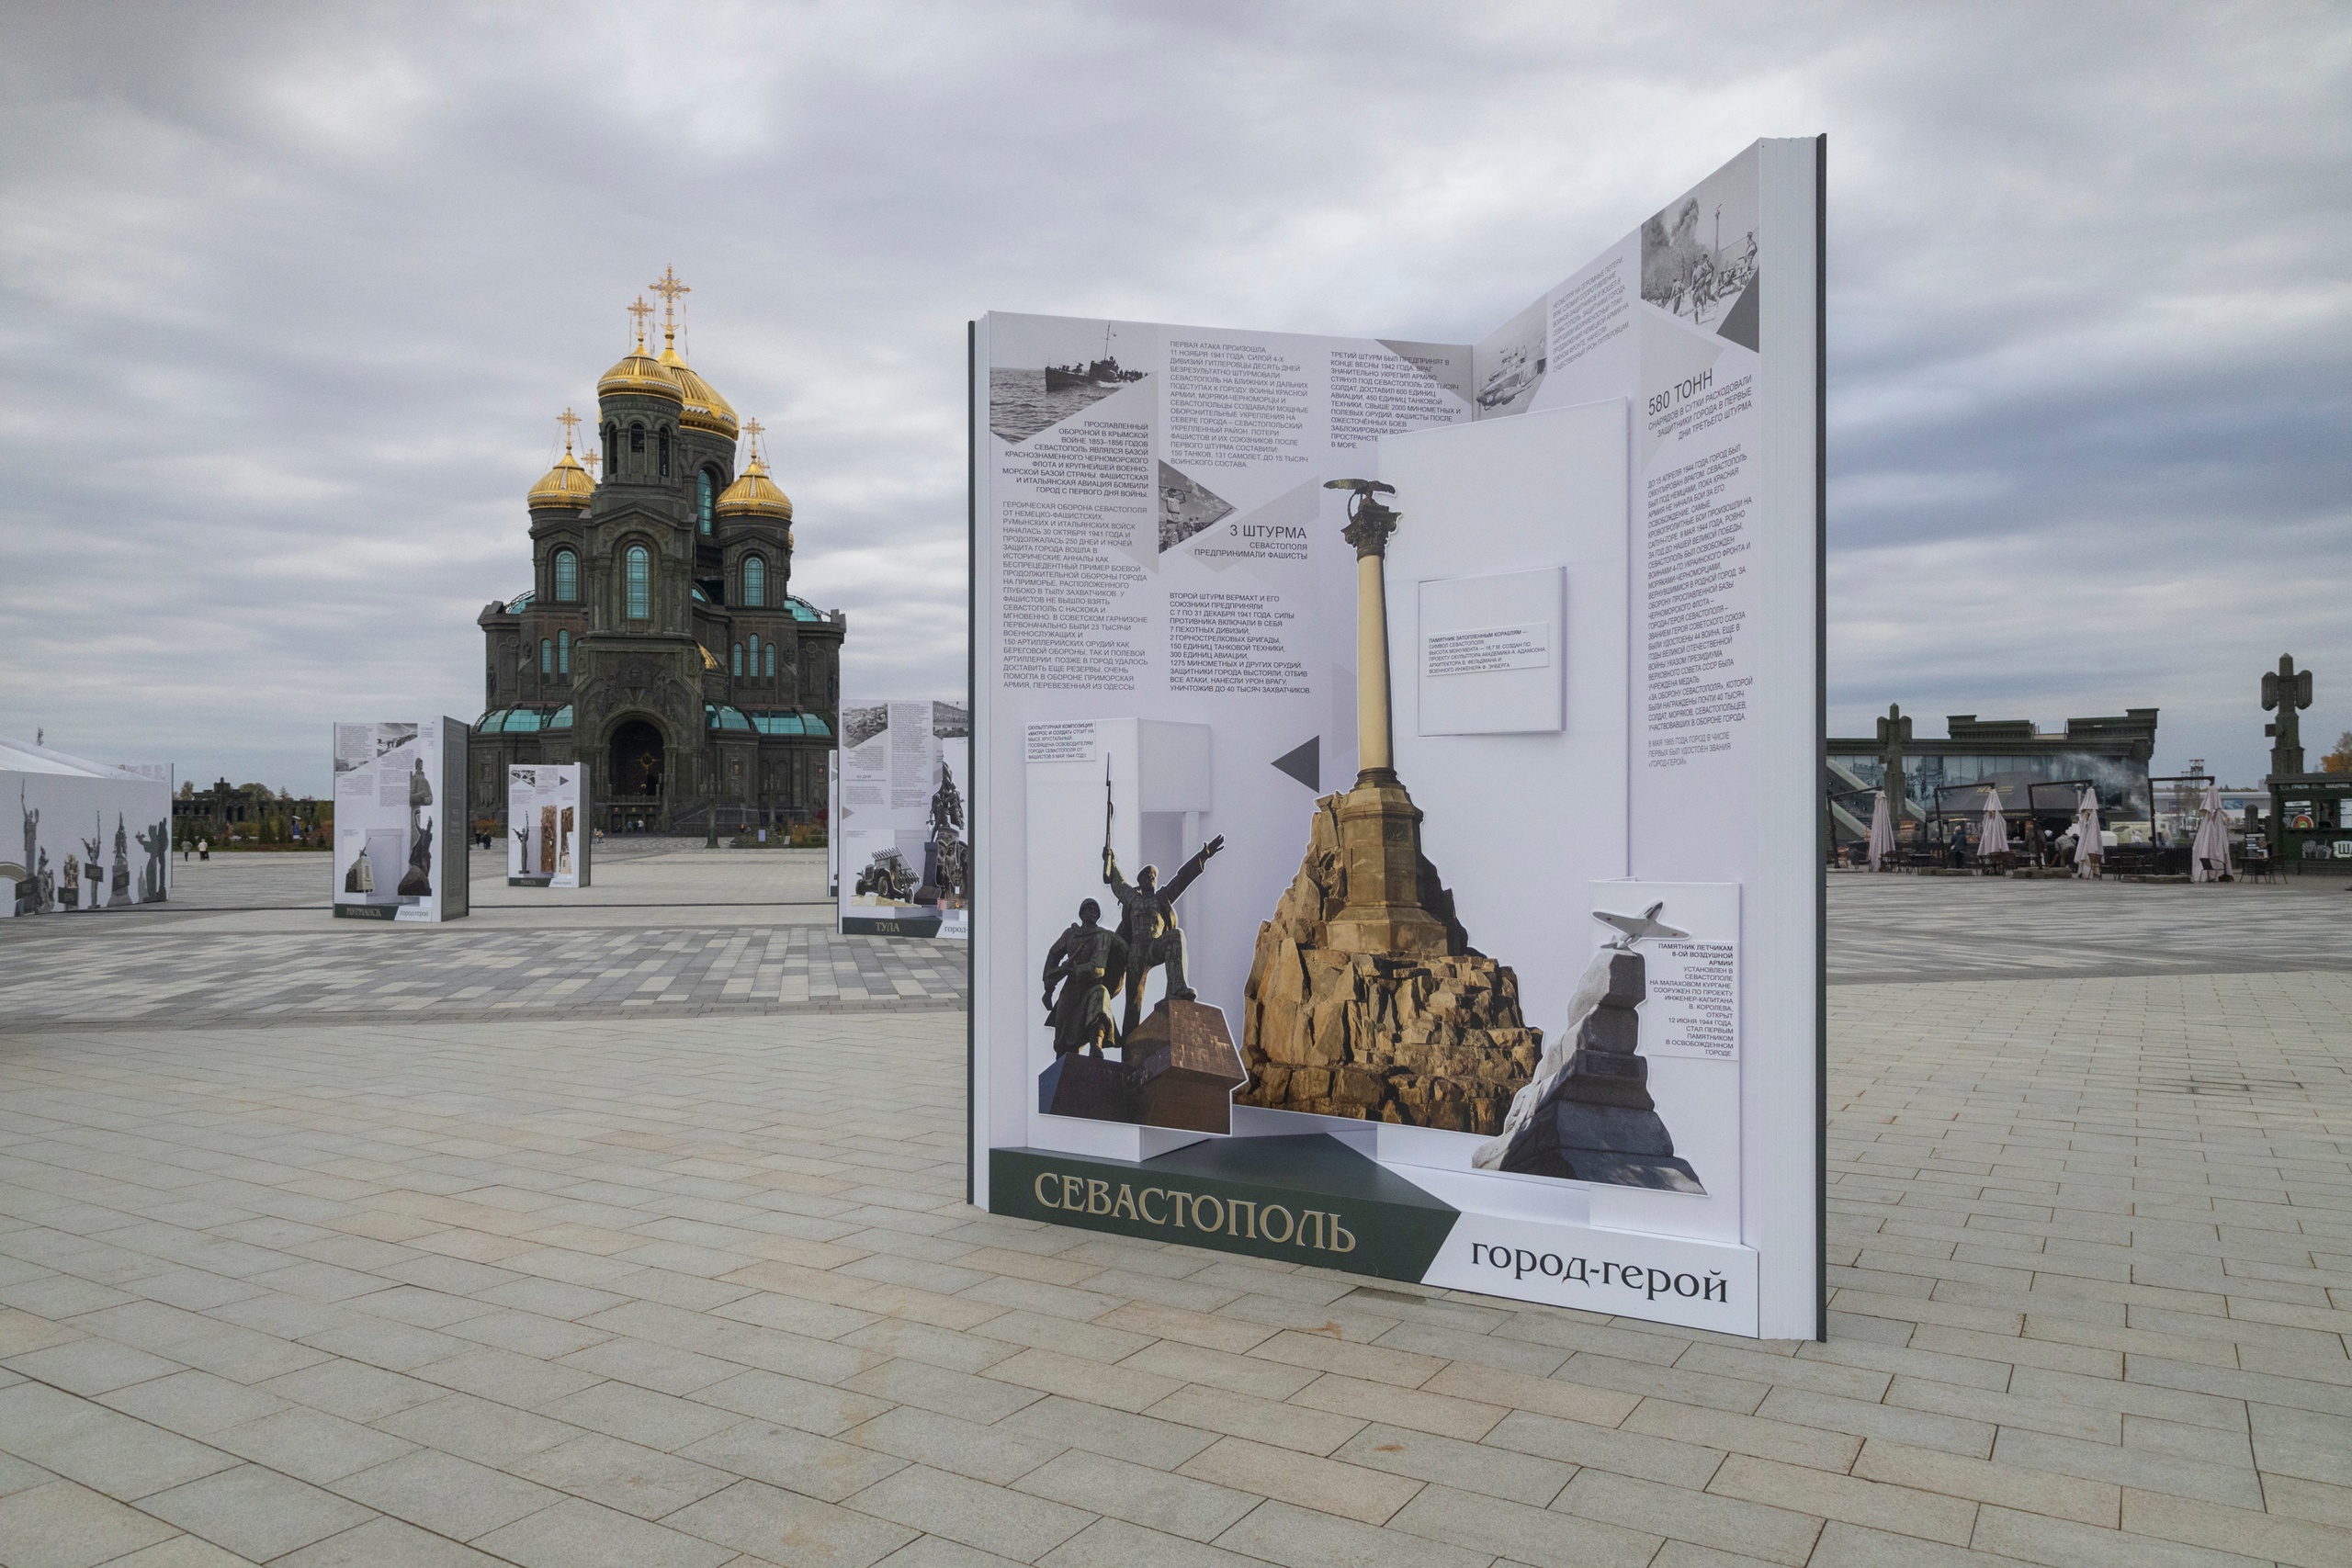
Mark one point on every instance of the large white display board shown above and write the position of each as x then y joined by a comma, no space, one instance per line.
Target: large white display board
545,844
92,835
898,848
395,785
1602,618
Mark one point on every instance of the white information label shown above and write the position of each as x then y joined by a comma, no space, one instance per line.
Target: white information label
1486,650
1061,742
1694,999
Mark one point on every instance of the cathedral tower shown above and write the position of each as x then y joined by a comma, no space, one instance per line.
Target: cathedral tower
659,642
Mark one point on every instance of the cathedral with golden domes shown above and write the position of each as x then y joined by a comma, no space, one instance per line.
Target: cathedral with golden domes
660,642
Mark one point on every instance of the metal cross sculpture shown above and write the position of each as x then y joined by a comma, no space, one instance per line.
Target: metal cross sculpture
2286,691
568,420
752,431
640,310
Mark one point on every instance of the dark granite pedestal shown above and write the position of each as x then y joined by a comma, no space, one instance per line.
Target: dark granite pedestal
1596,1120
1178,1070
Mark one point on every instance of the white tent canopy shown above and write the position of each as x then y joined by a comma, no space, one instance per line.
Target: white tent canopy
2087,846
1993,835
1881,844
2209,854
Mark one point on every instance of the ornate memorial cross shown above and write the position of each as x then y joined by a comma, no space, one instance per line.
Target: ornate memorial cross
568,420
640,310
752,431
2286,691
669,287
1894,736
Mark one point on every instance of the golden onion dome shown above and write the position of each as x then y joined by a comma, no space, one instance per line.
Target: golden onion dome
641,374
566,487
706,410
753,494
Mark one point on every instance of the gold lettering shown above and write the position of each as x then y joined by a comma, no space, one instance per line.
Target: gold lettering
1125,1204
1288,1225
1043,1177
1340,1240
1143,1205
1072,1191
1098,1196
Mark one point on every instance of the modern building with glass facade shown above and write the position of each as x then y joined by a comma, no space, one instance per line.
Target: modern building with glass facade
2038,771
659,641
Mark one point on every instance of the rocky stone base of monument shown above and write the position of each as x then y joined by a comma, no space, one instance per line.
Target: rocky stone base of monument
1436,1042
1591,1118
1178,1070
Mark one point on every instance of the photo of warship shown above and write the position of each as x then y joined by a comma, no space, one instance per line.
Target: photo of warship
1104,373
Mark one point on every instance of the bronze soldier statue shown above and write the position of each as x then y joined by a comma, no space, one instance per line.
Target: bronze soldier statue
1090,965
1148,925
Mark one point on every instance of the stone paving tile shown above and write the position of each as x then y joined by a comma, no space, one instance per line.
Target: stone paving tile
565,1292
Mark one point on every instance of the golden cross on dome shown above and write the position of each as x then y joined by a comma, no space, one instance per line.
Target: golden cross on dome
752,429
567,419
640,310
669,287
590,457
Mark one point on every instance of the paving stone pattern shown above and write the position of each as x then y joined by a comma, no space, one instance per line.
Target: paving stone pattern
451,972
1893,927
569,1291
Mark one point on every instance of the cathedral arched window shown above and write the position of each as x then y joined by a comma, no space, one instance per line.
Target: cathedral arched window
567,577
756,653
771,665
640,582
705,498
755,582
546,656
739,659
665,444
611,450
637,438
563,653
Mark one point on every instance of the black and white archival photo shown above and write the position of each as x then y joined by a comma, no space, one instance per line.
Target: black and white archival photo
1699,257
1076,366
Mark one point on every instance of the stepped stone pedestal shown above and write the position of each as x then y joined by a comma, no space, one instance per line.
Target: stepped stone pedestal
1595,1121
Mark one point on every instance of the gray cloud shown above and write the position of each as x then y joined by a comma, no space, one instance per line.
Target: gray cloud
293,295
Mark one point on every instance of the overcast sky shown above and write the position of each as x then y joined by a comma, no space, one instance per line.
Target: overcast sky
289,297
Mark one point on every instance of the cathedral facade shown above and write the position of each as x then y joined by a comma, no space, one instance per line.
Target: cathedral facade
660,642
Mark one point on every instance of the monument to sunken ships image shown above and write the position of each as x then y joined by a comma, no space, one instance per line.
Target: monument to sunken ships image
1365,998
659,642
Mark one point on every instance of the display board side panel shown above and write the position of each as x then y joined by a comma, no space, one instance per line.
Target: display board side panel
452,842
1783,1101
986,1114
975,1187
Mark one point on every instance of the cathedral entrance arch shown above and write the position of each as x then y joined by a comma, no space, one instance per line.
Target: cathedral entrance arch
637,763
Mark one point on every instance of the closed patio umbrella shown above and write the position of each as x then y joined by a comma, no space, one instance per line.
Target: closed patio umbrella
2088,848
1993,837
2208,856
1881,845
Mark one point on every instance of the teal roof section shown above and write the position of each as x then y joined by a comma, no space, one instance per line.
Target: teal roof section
801,609
521,601
522,720
789,722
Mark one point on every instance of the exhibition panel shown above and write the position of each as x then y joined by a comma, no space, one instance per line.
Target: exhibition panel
545,846
394,786
124,810
1396,763
897,849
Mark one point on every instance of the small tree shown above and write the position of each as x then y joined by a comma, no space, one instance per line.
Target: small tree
2340,760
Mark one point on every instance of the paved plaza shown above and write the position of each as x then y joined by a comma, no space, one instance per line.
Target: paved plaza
445,1266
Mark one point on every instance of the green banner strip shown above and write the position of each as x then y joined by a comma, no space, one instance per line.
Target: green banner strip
1303,1199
